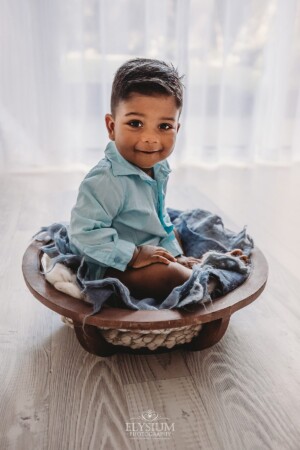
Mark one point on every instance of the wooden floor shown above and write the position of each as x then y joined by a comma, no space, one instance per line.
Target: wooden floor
243,393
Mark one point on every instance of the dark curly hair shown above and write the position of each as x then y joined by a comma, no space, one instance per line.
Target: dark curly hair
147,77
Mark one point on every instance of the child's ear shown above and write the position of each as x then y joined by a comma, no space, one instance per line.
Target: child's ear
110,125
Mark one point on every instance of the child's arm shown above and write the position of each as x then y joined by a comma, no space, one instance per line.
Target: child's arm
99,200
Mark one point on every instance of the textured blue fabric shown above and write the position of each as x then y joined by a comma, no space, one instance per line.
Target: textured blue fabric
200,231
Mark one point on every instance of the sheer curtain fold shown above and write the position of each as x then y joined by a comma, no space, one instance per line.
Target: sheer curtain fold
241,62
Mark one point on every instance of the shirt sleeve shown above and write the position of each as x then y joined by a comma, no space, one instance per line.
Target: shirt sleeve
99,200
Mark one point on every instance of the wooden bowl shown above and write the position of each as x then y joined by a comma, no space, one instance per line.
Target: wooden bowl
123,330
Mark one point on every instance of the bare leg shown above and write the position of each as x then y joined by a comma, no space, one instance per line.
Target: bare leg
156,281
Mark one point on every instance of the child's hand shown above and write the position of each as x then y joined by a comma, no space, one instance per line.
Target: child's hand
188,261
149,254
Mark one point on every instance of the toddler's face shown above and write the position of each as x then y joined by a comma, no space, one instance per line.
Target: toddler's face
144,128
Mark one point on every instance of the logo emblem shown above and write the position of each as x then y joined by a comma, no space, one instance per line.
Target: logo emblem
149,415
150,425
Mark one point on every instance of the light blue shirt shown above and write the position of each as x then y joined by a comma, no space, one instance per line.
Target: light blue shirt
118,208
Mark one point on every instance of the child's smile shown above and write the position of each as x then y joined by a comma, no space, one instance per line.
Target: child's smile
144,128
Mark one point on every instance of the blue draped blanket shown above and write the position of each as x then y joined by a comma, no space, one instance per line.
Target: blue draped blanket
200,231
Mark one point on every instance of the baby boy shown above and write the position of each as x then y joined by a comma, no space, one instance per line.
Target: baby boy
120,223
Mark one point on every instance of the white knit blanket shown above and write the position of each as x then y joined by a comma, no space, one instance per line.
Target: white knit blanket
61,277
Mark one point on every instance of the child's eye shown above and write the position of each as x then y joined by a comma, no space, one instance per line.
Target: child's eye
165,126
135,123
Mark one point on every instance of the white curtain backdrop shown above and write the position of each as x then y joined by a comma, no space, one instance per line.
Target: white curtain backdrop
241,60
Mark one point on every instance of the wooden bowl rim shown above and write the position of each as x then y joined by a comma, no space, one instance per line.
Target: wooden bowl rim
120,318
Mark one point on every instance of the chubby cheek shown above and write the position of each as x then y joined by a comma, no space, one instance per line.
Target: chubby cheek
125,139
170,142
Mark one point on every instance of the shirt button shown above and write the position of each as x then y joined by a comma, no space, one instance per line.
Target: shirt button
117,259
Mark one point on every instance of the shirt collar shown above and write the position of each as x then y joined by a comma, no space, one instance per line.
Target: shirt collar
120,166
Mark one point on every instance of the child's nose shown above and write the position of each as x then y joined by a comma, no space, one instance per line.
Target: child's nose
149,138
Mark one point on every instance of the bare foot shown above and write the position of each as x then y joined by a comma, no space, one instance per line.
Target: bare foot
239,253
